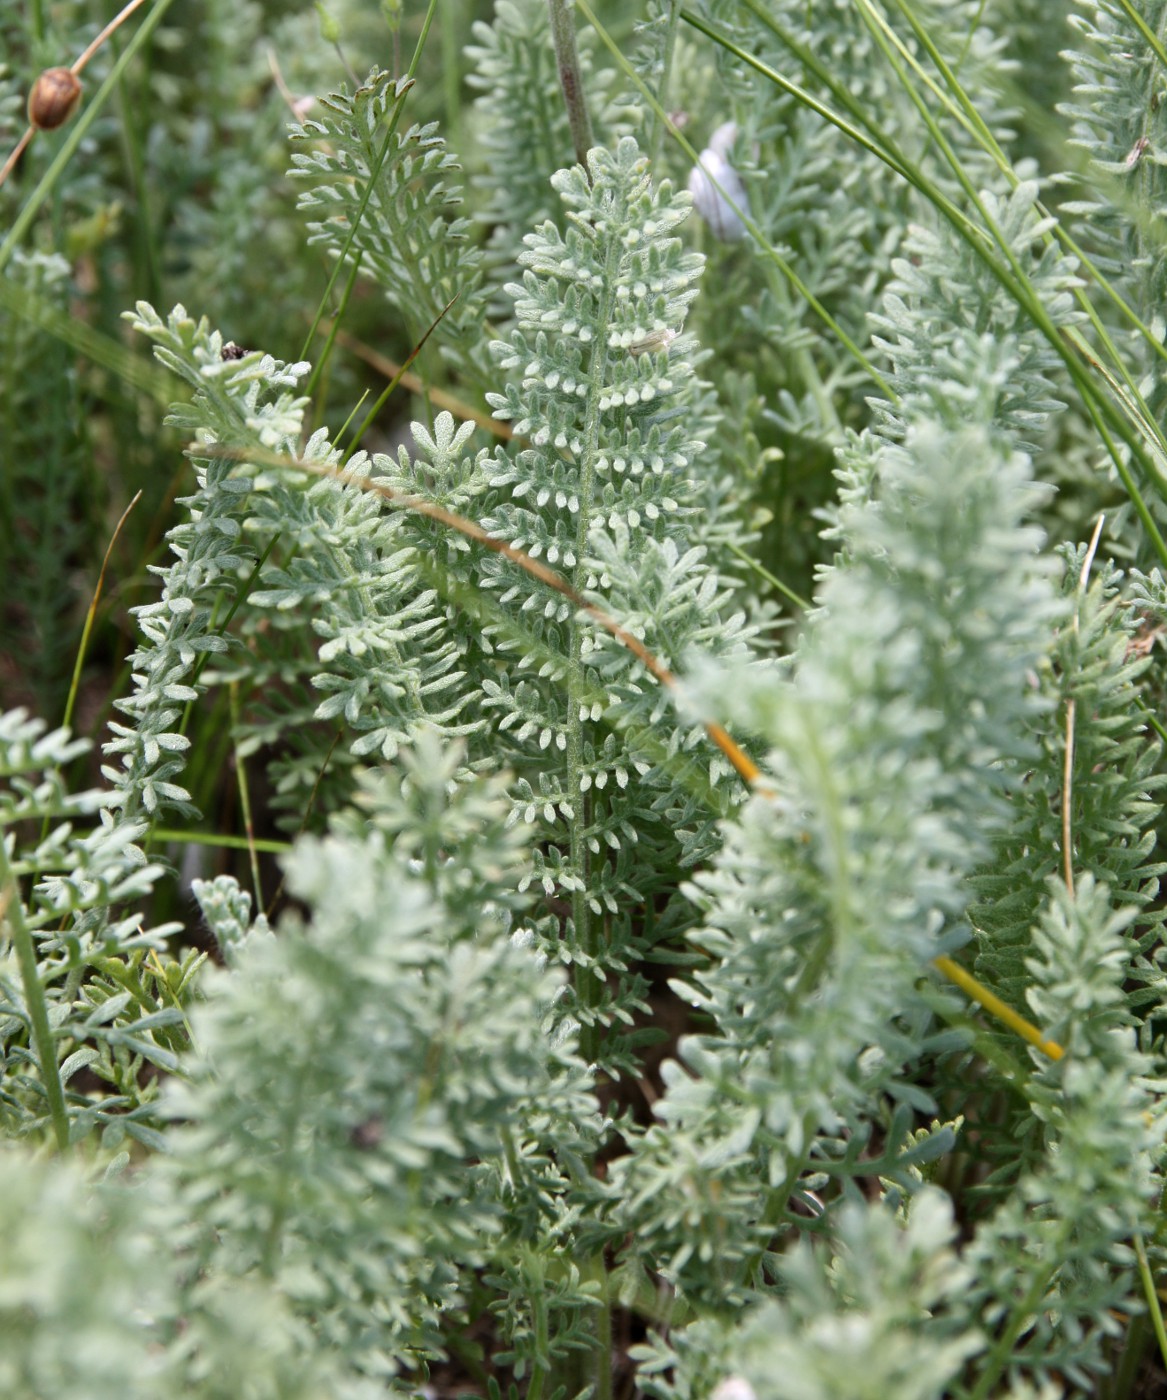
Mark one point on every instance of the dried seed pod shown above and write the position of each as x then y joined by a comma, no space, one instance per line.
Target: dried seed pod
53,98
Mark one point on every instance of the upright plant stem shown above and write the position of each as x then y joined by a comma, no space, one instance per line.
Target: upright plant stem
451,73
244,794
586,931
34,998
1019,1318
570,78
1151,1293
603,1376
662,94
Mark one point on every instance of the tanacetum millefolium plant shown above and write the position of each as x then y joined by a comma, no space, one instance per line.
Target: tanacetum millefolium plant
638,870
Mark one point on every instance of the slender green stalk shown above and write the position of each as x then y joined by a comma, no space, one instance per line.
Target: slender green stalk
86,631
964,111
129,110
319,368
385,394
245,798
538,1296
43,1042
1151,1293
1152,40
571,78
886,150
452,24
880,148
603,1355
347,424
1131,1361
218,839
658,126
1001,1352
787,592
1128,481
91,613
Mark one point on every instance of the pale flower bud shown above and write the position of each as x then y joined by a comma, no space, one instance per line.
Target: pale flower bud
734,1388
708,200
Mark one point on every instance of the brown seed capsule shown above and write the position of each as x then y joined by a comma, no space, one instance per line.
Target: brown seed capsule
54,98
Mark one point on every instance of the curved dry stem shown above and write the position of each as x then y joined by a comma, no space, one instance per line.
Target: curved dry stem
745,767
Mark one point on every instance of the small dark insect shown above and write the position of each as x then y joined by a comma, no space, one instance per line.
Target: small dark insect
367,1135
231,351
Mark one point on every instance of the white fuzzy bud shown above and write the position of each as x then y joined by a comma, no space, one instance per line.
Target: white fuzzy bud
710,201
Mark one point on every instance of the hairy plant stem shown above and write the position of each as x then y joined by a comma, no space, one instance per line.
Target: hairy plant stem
587,986
588,930
1002,1350
662,94
452,25
541,1370
603,1372
778,1198
532,1274
835,860
281,1208
34,997
570,78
